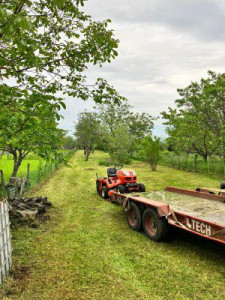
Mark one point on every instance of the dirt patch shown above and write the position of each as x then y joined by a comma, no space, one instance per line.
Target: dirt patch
21,273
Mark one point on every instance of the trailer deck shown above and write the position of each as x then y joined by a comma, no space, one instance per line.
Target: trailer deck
209,210
200,213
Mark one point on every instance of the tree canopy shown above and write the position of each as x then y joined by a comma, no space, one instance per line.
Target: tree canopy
36,132
198,123
87,132
45,47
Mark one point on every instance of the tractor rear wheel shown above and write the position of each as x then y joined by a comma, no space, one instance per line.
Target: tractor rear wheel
154,227
134,217
105,194
97,188
121,189
141,187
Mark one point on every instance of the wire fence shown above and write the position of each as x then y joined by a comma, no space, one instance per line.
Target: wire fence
5,241
32,175
193,163
16,187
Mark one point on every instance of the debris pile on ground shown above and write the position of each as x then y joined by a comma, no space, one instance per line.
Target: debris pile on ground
27,209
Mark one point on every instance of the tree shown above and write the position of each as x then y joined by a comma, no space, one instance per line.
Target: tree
45,47
138,125
150,151
68,142
34,132
87,132
119,144
112,114
197,125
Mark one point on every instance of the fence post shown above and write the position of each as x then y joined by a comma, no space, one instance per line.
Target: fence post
39,172
5,241
208,165
45,168
28,175
195,162
2,182
178,161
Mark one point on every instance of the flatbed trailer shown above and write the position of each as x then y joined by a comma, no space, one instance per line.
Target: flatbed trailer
198,212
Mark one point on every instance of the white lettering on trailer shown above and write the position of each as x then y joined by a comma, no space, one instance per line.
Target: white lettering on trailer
198,226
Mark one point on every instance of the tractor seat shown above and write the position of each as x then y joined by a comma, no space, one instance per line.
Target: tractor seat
111,172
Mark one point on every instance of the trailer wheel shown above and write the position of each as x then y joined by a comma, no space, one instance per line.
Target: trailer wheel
105,194
154,227
134,217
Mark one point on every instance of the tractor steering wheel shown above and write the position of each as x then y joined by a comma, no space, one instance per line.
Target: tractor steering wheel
118,167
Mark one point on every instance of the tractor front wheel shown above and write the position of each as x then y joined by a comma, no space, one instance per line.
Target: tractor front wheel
121,189
134,217
154,227
105,194
141,187
222,185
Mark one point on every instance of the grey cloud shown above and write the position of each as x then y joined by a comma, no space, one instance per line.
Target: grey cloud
201,18
164,45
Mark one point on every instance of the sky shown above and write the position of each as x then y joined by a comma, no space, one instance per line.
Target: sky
164,45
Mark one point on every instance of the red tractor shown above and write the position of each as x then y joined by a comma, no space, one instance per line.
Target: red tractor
123,181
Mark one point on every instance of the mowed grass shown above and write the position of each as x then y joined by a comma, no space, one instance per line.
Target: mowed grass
87,251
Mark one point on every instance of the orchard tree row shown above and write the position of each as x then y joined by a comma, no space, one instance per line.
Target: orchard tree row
197,125
118,130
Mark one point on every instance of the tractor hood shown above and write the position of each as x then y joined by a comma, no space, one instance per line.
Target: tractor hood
126,173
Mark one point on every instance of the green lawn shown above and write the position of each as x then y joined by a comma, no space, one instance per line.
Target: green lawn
86,250
7,166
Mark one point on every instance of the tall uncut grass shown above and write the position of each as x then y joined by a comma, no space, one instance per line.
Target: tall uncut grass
39,169
193,163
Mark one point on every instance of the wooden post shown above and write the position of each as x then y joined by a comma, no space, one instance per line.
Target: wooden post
178,161
3,182
195,162
45,168
39,171
28,175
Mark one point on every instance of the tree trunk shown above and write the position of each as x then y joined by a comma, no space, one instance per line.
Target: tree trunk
15,169
87,154
205,158
17,162
195,161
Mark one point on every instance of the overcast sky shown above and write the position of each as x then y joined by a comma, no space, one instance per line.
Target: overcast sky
164,45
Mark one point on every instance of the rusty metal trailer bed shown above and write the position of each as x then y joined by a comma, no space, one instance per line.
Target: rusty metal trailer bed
199,212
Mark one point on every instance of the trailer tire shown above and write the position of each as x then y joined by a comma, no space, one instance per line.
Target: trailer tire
104,193
155,228
121,189
134,217
141,187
